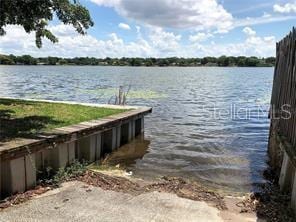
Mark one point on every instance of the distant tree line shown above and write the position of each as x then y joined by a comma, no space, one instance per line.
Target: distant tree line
224,61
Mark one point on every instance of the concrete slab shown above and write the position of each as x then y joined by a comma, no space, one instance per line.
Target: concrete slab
84,148
75,202
59,156
46,158
17,175
131,130
124,134
39,161
92,148
71,152
114,138
13,176
107,142
293,197
118,136
31,171
286,175
98,151
142,125
139,123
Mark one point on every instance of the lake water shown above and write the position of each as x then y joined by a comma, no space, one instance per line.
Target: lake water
208,124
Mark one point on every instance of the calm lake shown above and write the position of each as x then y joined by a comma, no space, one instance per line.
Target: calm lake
208,124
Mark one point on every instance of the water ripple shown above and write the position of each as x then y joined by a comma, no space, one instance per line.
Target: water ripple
185,137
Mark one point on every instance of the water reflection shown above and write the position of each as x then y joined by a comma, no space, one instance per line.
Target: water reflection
127,155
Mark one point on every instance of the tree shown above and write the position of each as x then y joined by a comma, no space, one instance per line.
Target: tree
148,62
34,15
26,60
270,60
204,60
136,62
252,61
52,60
241,61
6,60
172,61
223,61
63,62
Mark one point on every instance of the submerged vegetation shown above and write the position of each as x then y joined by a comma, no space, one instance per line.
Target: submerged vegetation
119,97
223,61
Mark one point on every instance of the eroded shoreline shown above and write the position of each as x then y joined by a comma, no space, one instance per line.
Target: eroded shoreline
269,204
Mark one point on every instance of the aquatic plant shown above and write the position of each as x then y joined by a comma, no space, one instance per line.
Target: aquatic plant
133,94
121,97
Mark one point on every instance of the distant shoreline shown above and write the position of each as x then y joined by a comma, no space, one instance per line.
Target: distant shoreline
222,61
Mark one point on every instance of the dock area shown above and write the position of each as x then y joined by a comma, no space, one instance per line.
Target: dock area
23,158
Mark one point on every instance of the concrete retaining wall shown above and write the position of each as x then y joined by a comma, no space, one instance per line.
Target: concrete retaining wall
18,175
88,141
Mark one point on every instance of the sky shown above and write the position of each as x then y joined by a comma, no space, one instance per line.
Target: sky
166,28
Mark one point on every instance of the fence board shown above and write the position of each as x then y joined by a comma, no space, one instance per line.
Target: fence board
283,97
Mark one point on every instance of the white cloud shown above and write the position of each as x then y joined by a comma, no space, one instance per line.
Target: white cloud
260,46
253,45
164,42
18,42
266,15
16,39
63,30
200,37
249,31
254,7
107,3
124,26
157,43
201,15
138,28
183,14
264,19
286,8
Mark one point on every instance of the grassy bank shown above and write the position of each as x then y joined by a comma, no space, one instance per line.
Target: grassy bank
22,118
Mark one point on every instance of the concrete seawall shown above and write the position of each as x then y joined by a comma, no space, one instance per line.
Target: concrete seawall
21,159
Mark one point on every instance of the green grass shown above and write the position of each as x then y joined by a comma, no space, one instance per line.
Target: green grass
24,118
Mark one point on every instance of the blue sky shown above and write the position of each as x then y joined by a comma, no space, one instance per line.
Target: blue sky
164,28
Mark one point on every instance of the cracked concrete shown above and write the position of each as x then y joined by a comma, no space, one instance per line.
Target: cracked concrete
76,201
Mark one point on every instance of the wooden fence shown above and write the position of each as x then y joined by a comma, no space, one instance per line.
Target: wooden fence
283,100
282,137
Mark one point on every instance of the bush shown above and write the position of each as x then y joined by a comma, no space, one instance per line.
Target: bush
53,178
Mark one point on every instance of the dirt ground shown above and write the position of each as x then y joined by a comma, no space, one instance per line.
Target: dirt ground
78,201
113,196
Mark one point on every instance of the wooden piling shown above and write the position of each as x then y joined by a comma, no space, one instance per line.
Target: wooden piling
282,139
